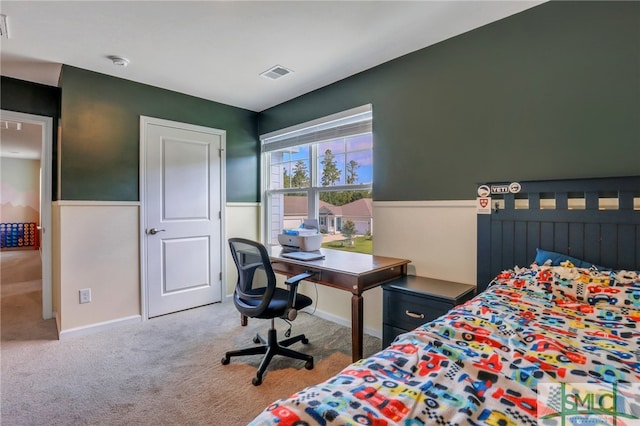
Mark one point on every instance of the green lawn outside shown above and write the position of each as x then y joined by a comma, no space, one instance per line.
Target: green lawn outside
361,245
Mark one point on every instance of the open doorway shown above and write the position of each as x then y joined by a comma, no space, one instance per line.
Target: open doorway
29,138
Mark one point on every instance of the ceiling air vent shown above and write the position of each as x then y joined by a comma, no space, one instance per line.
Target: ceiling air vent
4,33
276,72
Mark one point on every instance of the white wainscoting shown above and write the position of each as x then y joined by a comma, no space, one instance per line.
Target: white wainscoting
439,237
97,246
242,221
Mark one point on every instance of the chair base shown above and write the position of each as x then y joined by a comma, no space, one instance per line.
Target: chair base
271,348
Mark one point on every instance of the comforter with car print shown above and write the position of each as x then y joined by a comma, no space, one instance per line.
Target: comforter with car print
484,361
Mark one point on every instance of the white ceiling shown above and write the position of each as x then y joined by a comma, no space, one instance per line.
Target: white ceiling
216,50
25,143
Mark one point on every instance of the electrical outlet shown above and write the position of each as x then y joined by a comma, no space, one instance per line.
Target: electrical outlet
85,295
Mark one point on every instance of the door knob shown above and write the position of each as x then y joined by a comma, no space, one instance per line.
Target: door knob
154,231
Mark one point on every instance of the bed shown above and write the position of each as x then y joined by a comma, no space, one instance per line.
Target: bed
559,315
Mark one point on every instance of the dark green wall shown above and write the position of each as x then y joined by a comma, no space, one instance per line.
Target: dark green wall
101,132
553,92
37,99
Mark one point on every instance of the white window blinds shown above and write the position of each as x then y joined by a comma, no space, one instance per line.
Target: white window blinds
343,124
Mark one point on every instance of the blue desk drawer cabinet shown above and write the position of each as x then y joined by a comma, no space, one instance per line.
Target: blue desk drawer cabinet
411,301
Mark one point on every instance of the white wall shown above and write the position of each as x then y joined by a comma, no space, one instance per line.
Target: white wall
19,190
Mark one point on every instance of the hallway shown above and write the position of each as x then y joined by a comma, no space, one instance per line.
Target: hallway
21,298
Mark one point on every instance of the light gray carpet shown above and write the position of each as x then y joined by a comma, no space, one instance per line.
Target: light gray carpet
164,371
21,292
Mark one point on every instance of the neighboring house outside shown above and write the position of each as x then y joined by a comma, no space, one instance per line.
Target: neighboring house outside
295,211
331,217
360,212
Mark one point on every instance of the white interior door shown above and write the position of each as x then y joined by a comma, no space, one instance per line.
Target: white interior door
182,218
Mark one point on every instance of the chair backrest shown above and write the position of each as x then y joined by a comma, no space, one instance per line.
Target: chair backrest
256,279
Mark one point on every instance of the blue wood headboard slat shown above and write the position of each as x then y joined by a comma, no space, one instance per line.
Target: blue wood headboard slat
591,200
627,248
534,234
508,242
625,200
561,236
547,230
496,238
521,234
591,233
562,201
509,202
609,247
534,201
637,262
576,237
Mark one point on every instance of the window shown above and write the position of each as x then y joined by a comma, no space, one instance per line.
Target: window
321,170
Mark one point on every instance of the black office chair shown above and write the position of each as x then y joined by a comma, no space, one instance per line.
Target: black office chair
257,296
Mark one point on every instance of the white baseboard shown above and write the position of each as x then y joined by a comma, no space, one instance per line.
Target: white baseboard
93,328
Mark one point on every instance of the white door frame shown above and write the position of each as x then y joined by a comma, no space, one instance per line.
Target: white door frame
45,200
144,121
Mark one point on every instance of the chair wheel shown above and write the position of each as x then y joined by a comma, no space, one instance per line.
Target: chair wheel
225,360
309,365
305,341
257,381
257,339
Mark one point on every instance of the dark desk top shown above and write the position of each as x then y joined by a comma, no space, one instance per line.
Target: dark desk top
355,272
342,261
440,289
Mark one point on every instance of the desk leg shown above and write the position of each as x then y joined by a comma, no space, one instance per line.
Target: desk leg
356,327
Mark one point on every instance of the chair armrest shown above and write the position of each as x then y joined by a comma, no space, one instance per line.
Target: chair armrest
297,278
293,284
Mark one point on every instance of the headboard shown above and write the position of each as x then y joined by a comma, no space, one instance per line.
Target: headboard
597,220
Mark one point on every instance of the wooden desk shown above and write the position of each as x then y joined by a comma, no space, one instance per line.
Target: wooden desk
353,272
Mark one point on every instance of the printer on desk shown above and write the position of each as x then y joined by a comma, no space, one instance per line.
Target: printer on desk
305,238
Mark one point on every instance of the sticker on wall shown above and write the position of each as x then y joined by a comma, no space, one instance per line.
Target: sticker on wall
483,205
484,191
499,189
513,187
